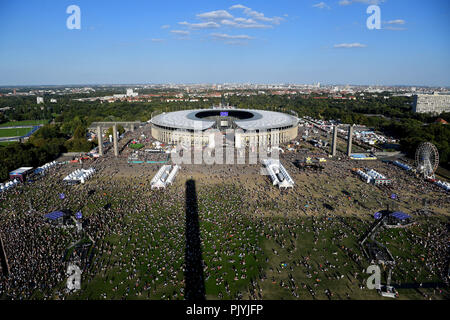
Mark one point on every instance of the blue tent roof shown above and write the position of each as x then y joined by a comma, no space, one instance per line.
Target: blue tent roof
38,170
20,171
400,215
54,215
358,155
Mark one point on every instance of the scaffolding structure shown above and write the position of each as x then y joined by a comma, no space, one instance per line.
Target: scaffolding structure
79,176
165,176
372,176
278,174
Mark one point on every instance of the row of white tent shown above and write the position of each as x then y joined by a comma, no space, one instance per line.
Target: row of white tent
278,174
80,175
376,175
43,169
165,176
402,165
373,176
8,185
364,176
444,185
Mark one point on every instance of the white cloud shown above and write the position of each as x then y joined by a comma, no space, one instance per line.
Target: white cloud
215,15
157,40
394,28
238,6
350,45
202,25
223,20
321,5
398,21
349,2
224,36
257,15
247,24
236,42
227,22
244,20
392,25
260,16
166,26
180,32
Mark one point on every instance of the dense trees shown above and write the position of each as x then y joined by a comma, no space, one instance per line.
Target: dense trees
438,134
394,116
120,129
71,119
79,142
23,108
44,146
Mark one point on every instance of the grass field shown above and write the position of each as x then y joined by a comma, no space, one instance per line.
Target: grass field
256,242
24,123
5,143
245,253
136,146
17,132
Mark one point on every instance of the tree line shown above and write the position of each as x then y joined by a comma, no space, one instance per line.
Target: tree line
70,120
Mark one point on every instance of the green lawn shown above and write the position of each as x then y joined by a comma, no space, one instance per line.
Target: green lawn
14,132
136,146
24,123
141,254
5,143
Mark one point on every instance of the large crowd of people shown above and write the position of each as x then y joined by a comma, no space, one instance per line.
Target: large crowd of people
256,242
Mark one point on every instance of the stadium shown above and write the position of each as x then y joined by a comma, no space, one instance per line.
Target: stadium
202,126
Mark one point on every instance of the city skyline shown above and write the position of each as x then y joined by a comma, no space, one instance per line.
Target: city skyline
225,42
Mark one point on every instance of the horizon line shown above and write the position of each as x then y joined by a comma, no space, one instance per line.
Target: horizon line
215,83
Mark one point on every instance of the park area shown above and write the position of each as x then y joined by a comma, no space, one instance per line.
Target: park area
18,129
255,241
14,132
223,232
23,123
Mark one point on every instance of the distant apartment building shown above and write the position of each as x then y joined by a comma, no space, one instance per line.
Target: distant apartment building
431,103
39,100
130,93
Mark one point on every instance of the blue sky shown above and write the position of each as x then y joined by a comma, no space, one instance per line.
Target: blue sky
282,41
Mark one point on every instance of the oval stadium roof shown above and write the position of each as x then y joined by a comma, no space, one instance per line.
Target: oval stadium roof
261,120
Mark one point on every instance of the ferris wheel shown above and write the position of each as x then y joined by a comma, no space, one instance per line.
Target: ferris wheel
427,159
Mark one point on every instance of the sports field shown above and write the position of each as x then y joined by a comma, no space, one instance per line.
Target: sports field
23,123
5,143
14,132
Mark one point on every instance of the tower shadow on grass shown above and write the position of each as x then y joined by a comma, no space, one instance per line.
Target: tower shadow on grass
193,274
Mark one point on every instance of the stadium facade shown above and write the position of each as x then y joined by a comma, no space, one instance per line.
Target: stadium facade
202,126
